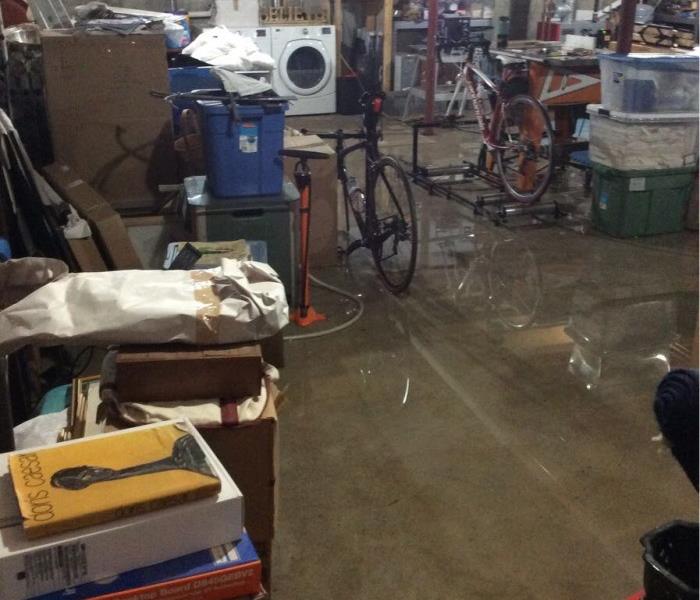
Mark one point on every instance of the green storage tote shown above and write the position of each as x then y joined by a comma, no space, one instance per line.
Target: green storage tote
636,203
272,219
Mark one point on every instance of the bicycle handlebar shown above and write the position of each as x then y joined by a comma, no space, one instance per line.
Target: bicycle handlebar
336,135
371,103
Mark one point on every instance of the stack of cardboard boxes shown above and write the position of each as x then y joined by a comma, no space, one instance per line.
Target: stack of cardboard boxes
249,450
145,513
161,379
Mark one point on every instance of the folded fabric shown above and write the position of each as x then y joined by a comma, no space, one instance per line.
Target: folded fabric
235,83
676,410
239,301
202,413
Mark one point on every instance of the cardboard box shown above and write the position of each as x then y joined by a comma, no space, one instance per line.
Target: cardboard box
103,120
273,349
264,550
171,372
220,573
250,454
86,255
29,568
323,243
107,227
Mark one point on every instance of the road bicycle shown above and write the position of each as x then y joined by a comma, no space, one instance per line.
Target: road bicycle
514,126
384,211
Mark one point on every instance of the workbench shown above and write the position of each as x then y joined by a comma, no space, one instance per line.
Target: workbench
560,81
557,79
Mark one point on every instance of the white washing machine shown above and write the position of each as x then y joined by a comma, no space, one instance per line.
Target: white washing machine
262,36
305,57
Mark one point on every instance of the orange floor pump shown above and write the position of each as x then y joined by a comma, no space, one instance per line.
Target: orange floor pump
304,314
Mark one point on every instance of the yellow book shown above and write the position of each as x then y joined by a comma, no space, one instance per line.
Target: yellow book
99,479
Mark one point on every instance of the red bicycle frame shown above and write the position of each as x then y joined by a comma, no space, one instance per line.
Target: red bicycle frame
488,128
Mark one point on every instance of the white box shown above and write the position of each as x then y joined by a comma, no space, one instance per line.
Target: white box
642,141
29,568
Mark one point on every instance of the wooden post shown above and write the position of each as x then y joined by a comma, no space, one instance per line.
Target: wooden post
387,46
338,22
431,58
626,27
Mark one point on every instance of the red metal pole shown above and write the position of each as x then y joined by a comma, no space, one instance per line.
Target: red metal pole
431,59
626,27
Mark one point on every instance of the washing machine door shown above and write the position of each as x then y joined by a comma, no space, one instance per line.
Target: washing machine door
305,67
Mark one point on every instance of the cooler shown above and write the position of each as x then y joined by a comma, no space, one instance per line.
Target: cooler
272,219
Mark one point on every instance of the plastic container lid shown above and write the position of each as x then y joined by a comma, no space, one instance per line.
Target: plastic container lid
640,118
197,194
214,107
657,62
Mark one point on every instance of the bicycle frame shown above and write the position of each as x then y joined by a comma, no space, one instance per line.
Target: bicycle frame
488,129
369,137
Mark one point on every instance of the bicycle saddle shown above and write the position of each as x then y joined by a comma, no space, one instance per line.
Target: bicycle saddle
301,153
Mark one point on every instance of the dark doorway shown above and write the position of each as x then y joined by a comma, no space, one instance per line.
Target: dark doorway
519,16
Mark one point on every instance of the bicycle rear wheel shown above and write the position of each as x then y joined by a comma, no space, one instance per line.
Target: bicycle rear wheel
392,230
525,155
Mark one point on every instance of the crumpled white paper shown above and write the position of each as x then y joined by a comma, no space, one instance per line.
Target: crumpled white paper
221,47
239,301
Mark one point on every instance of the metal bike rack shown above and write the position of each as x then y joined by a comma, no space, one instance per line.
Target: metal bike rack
446,182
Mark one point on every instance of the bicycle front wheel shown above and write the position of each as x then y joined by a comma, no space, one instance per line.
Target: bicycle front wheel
392,228
525,153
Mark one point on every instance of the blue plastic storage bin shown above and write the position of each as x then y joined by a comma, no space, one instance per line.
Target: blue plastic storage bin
188,79
242,157
650,83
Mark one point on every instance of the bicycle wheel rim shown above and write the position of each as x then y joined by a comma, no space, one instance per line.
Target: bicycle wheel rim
526,157
393,235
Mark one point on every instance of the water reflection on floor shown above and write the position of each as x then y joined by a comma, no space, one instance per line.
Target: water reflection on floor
490,434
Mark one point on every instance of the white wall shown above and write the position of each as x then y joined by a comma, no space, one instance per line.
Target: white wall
245,16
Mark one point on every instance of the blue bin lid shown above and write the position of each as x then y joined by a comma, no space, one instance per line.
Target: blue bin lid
658,62
186,79
215,107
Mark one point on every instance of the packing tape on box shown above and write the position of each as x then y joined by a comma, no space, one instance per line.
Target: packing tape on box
208,310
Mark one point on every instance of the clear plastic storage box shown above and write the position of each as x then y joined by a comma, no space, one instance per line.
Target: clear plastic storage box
650,83
630,141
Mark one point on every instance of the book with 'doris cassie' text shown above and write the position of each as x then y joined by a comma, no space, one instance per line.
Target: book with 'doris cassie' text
104,478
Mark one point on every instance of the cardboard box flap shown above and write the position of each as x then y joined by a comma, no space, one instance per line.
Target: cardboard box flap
107,227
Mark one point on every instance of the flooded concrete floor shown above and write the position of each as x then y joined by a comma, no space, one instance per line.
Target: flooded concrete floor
466,441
